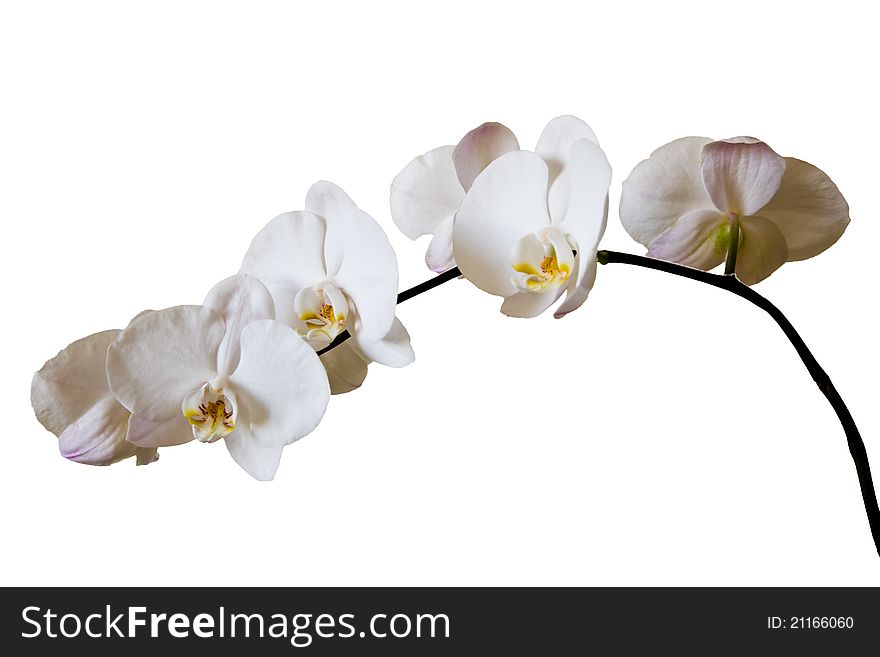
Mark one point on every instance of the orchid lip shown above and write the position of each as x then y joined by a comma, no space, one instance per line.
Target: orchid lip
323,309
211,411
542,260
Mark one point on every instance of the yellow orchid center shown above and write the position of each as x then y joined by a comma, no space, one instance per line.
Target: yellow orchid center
542,260
211,412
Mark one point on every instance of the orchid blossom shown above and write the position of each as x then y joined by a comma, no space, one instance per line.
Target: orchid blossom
524,226
72,399
330,268
225,369
698,202
426,195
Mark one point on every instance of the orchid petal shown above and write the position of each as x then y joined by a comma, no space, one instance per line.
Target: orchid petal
72,382
426,193
581,283
479,148
393,350
763,249
589,175
287,255
506,202
346,368
98,437
666,186
440,256
163,356
144,433
530,304
809,210
555,142
368,269
239,300
146,455
282,393
699,239
259,460
741,175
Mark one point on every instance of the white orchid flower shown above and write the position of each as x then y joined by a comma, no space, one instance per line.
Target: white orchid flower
426,195
686,199
225,369
330,268
72,399
530,223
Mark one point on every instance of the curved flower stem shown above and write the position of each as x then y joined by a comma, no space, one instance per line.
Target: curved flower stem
414,291
732,284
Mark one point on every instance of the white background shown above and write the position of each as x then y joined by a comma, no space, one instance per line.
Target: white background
666,433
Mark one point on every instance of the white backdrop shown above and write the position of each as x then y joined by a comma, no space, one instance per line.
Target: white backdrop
666,433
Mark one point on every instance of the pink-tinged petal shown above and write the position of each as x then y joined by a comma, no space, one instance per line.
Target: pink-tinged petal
287,255
144,433
479,148
161,357
98,437
440,256
69,384
581,283
506,202
762,251
367,270
393,350
666,186
346,368
699,239
809,210
239,300
741,175
426,193
554,144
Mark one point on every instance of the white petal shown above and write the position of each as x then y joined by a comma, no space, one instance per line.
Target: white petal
98,437
346,368
530,304
426,193
581,283
69,384
809,210
144,433
554,144
393,350
281,382
666,186
161,357
699,239
741,175
762,251
287,255
259,460
479,148
239,300
440,256
368,268
588,174
507,202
